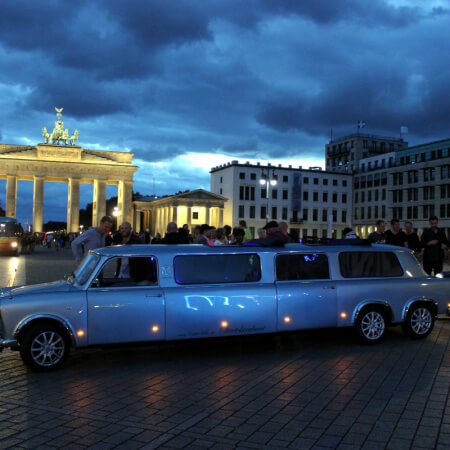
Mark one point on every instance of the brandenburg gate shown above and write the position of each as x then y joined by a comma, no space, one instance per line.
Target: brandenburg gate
71,164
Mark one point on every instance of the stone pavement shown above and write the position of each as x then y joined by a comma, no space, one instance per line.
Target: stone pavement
315,389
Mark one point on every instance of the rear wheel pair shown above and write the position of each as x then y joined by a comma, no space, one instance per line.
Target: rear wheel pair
371,323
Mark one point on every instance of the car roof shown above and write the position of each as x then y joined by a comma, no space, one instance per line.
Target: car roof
145,249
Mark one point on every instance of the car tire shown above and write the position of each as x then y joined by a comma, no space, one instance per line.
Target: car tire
371,325
419,321
44,347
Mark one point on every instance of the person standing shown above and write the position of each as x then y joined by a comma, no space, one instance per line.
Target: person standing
412,238
395,236
247,233
434,242
173,236
126,266
378,236
91,239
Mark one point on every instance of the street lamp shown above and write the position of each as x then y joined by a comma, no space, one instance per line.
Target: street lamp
268,178
115,213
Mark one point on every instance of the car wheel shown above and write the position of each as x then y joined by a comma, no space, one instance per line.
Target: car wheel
371,325
44,347
419,322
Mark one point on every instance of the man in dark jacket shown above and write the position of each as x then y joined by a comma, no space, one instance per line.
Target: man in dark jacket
434,242
173,236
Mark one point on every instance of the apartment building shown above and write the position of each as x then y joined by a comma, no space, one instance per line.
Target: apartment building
312,201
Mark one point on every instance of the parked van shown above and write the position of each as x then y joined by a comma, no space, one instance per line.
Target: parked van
143,293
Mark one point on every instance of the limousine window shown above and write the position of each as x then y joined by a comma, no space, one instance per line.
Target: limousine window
369,264
207,269
302,266
122,272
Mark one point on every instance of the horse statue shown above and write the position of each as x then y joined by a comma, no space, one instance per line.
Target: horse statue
65,136
74,137
45,135
58,132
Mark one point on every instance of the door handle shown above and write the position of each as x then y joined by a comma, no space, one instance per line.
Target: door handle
154,295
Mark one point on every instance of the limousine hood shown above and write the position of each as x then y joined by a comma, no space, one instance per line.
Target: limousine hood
35,289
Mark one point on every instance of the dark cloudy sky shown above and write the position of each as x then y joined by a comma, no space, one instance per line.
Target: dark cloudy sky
189,84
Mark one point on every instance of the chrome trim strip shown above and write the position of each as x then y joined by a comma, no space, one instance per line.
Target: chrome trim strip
62,321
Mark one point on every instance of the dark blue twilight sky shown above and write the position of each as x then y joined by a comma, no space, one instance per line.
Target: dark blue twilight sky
190,84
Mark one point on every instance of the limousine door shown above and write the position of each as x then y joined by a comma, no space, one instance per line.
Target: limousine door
306,295
219,295
126,309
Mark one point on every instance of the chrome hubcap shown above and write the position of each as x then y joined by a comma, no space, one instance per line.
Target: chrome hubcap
372,325
47,348
421,320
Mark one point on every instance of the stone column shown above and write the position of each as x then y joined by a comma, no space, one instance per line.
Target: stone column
11,196
137,220
220,217
73,206
38,203
189,218
98,202
175,215
125,202
207,215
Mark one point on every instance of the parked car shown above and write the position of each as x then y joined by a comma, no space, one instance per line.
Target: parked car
141,293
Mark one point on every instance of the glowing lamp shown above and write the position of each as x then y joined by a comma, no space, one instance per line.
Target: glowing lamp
287,319
343,315
14,244
155,328
224,324
80,333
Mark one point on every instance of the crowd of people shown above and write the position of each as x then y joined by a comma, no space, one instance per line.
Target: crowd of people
433,241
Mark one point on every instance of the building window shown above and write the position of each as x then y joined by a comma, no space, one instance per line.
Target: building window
315,196
305,195
263,193
334,197
344,198
195,214
284,214
285,194
383,194
344,183
220,191
221,179
263,212
305,214
335,182
241,211
252,212
242,175
324,215
274,194
241,192
274,213
253,176
315,216
285,179
316,181
344,216
325,196
306,180
369,196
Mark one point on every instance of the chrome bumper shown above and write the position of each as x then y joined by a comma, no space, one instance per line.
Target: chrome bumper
8,343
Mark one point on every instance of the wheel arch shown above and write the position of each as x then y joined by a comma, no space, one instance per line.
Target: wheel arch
420,301
45,318
383,305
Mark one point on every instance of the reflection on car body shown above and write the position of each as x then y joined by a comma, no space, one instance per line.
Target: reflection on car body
192,291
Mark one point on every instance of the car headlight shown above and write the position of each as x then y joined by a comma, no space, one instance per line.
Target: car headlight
14,244
440,275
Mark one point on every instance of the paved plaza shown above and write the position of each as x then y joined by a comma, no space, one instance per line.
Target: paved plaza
315,389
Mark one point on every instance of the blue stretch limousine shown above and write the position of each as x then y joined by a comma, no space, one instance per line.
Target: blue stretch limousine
141,293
